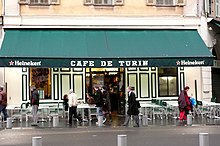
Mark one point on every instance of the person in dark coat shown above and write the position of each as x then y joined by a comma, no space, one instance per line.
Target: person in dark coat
35,104
184,104
65,102
106,104
98,100
132,108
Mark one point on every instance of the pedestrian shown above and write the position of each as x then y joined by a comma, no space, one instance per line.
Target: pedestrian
132,108
184,104
98,100
106,104
99,103
3,102
65,104
73,102
35,104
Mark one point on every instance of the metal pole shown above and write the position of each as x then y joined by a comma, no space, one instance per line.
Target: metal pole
145,120
37,141
196,93
122,140
100,121
189,119
55,121
9,123
203,139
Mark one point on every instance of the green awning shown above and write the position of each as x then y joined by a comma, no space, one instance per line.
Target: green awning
103,48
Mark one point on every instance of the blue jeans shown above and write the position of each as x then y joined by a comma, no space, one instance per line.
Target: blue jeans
99,111
3,109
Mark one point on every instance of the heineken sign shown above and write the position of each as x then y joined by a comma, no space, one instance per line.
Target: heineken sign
99,62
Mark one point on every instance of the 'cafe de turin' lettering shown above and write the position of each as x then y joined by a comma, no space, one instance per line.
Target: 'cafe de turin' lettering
109,63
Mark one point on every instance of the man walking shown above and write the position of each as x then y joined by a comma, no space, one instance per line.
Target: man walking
73,101
132,108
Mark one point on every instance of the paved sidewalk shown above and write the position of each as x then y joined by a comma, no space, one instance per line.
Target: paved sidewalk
169,135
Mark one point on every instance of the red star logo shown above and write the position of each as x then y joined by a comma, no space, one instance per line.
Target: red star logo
11,63
178,62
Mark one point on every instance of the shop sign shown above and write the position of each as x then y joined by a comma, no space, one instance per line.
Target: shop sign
103,62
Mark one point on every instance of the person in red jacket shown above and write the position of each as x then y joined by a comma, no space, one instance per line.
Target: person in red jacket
3,102
184,104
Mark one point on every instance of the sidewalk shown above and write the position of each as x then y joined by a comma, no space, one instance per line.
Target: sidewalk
116,122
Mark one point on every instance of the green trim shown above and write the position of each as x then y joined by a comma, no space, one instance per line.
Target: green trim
182,80
155,85
61,85
54,89
24,85
82,85
140,79
136,88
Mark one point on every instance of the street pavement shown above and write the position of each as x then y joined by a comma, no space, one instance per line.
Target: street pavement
157,133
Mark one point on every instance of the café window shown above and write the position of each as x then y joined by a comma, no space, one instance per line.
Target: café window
167,78
41,79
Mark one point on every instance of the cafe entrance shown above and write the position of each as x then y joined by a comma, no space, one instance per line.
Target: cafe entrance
114,80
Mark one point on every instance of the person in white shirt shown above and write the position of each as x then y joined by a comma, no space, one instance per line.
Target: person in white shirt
73,101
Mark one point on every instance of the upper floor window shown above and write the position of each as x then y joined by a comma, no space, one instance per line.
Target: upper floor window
43,2
166,2
217,8
39,2
104,2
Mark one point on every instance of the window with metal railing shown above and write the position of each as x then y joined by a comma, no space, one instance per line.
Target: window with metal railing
103,2
39,2
165,2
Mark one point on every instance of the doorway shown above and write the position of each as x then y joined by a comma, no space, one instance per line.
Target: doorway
113,79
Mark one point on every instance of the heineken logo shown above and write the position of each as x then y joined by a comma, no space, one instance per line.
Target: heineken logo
190,62
24,63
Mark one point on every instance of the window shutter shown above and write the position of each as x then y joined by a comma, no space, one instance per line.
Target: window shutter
23,1
88,2
180,2
55,2
150,2
119,2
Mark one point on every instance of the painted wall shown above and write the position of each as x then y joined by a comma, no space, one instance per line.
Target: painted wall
202,75
77,8
11,8
14,82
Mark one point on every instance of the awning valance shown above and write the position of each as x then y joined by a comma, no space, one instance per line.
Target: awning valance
103,48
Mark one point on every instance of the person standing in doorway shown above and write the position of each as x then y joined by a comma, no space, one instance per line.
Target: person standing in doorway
73,102
3,102
106,104
184,104
98,100
35,104
132,108
65,104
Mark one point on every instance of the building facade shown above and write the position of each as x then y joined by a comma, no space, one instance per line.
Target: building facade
212,12
111,20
